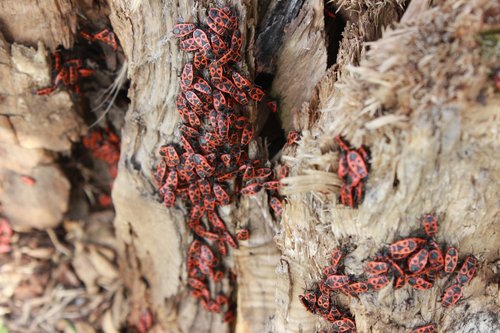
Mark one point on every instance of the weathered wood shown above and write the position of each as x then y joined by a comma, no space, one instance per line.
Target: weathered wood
143,224
301,62
33,128
53,21
418,95
428,143
270,35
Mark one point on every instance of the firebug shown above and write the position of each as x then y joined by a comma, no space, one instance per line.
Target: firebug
430,224
378,281
183,29
450,260
417,262
451,295
467,270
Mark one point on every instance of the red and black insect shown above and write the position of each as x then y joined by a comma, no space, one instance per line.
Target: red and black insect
342,168
378,281
188,45
236,41
336,257
230,240
242,234
430,224
197,212
436,258
333,314
183,29
224,85
358,288
216,71
220,103
202,167
226,58
344,325
276,205
311,307
256,94
159,175
247,134
451,295
403,248
251,189
220,30
194,193
272,185
221,195
208,256
193,99
467,270
169,198
330,270
219,17
431,328
240,97
218,45
357,164
107,36
450,260
293,138
196,284
417,262
201,40
336,281
202,86
172,180
273,106
199,61
324,301
216,222
205,188
189,132
241,82
346,196
187,77
376,267
419,283
45,91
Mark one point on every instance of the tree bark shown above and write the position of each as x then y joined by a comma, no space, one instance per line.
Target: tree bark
411,83
419,146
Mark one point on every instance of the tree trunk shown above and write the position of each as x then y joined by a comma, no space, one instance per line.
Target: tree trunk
409,80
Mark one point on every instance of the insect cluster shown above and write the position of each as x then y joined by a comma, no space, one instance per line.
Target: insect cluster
320,299
418,261
353,169
211,166
421,261
68,68
104,145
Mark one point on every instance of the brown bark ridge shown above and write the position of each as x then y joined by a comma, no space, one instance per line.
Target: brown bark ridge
423,101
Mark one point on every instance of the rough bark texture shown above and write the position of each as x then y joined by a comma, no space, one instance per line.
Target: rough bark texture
412,128
415,89
155,238
33,129
417,100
